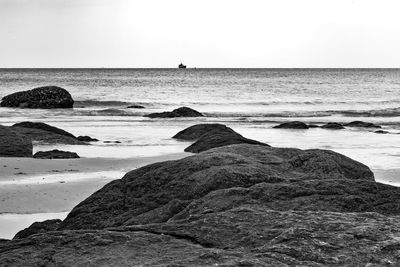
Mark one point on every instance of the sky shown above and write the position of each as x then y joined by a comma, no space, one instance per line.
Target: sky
202,33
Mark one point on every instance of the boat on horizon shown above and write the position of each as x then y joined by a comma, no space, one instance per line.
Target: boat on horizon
181,66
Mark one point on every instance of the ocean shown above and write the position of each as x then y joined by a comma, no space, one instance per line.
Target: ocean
249,100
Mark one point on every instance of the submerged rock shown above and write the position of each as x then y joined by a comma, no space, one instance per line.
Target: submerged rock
46,97
55,154
209,136
179,112
362,124
236,205
86,138
292,125
13,144
332,125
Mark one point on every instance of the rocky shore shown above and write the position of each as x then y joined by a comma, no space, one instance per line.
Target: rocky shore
236,202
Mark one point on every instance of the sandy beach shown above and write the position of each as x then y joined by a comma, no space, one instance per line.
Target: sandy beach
38,189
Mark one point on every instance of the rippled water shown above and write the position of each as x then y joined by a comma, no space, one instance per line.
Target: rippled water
249,100
224,92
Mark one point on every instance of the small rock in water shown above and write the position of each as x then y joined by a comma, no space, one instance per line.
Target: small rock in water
86,138
179,112
55,154
333,126
135,106
362,124
292,125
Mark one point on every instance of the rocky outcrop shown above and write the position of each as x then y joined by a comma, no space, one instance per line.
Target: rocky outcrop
86,138
292,125
362,124
333,126
13,144
209,136
55,154
236,205
44,133
179,112
46,97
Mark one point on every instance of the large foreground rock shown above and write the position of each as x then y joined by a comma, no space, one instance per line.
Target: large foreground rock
13,144
179,112
236,205
46,97
209,136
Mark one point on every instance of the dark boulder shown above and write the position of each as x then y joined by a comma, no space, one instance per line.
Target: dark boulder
86,138
136,106
196,131
46,97
13,144
44,133
292,125
362,124
44,127
55,154
39,227
333,126
209,136
381,132
179,112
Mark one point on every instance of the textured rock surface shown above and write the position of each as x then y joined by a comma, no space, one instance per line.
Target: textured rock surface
39,227
55,154
179,112
209,136
333,125
362,124
292,125
13,144
41,97
237,205
44,133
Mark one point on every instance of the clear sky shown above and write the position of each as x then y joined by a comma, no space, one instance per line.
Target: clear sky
202,33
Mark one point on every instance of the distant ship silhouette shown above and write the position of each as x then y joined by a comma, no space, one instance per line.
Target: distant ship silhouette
181,66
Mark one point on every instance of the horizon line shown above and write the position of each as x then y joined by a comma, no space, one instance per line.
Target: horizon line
193,68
